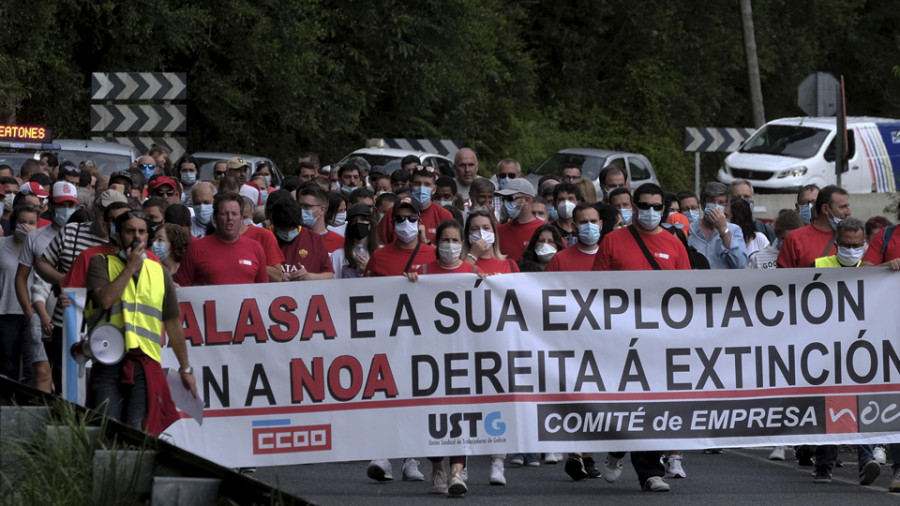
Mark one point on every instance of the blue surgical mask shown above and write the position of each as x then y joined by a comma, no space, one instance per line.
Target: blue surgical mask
203,212
834,222
502,181
805,212
692,215
112,229
710,207
626,215
421,194
62,215
553,213
445,203
348,189
263,196
512,209
188,177
159,249
588,233
147,172
287,235
268,180
749,201
308,218
649,218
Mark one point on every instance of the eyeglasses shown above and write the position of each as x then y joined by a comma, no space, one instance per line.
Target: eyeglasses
164,193
133,214
144,166
646,205
512,198
219,173
412,218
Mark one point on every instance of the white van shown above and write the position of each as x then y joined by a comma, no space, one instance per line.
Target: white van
789,153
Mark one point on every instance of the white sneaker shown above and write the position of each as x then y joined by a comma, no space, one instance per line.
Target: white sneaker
550,458
457,487
879,454
655,484
465,474
411,471
380,470
777,453
438,482
497,477
673,467
612,468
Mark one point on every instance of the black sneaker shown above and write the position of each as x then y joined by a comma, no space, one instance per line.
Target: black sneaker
590,467
869,472
822,476
804,455
575,467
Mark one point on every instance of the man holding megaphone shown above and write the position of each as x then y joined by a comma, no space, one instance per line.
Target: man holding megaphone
137,297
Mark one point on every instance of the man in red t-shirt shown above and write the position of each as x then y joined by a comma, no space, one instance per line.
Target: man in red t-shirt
226,257
424,184
518,198
803,246
580,256
891,254
392,259
620,251
313,204
305,257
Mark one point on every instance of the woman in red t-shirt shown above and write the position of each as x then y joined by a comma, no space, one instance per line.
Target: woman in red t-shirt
482,247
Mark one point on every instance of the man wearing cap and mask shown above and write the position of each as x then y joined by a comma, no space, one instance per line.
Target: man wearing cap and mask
518,197
136,296
424,184
305,255
122,182
238,168
36,194
406,249
164,187
58,258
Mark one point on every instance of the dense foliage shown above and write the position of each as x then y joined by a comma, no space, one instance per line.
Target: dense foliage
511,78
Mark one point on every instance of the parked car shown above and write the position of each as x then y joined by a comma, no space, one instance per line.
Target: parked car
109,157
592,161
388,159
789,153
207,160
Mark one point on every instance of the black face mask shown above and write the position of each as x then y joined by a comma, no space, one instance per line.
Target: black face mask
358,230
152,226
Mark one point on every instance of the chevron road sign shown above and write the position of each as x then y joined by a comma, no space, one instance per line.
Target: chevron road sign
138,118
706,140
446,147
177,145
138,86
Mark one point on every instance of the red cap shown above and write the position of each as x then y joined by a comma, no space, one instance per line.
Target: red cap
35,189
161,181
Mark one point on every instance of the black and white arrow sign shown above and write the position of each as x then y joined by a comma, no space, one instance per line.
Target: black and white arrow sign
705,140
138,118
138,86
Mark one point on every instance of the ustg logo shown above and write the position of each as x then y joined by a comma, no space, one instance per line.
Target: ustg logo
441,425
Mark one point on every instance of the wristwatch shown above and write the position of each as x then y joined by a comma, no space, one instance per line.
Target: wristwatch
186,370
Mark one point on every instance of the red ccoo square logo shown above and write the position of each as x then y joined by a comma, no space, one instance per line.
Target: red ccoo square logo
291,439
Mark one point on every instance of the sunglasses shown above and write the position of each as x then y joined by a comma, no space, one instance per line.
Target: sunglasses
219,173
164,193
512,198
645,206
72,169
411,218
146,166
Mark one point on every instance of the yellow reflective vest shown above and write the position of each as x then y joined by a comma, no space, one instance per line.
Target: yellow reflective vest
139,312
831,261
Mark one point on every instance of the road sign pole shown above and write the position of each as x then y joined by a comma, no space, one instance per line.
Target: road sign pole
697,173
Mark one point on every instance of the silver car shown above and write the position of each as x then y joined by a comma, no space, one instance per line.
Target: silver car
592,161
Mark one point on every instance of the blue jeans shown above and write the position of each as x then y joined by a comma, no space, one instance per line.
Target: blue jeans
119,401
826,455
15,347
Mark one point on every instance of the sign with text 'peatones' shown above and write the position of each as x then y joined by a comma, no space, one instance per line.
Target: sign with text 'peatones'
603,361
24,133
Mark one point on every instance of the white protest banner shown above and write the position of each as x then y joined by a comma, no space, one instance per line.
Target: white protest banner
601,361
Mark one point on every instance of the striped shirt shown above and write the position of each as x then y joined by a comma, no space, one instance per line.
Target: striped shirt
65,248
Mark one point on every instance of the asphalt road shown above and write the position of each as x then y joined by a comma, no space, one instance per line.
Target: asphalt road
736,478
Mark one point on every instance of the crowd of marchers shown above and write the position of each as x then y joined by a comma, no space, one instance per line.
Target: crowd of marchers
355,221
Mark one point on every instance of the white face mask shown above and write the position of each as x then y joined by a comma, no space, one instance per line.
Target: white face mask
407,230
449,251
565,209
850,256
482,234
545,252
340,219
